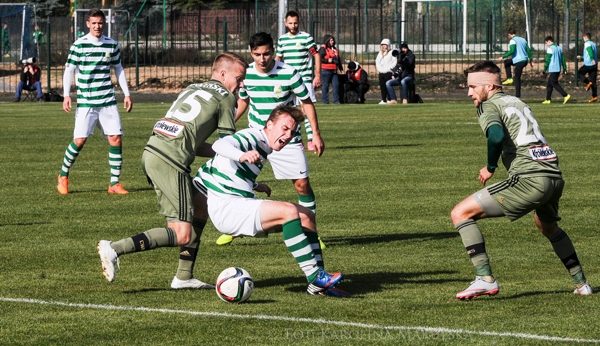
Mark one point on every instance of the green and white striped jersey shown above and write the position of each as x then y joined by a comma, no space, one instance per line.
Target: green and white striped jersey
198,111
525,151
297,51
229,177
279,86
93,59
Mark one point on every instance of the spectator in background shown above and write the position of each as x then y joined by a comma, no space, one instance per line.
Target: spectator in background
330,63
554,62
5,41
518,55
384,63
358,82
30,80
589,67
404,73
36,40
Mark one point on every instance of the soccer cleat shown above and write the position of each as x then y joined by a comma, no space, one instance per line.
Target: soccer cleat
332,292
224,239
177,284
547,102
310,146
508,81
63,185
321,243
109,258
392,102
583,289
382,102
117,189
566,99
588,86
323,281
479,287
593,99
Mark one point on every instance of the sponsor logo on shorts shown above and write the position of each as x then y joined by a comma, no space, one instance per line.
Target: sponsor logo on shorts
542,153
302,172
168,128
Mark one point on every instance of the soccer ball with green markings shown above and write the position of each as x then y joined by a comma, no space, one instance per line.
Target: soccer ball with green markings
234,285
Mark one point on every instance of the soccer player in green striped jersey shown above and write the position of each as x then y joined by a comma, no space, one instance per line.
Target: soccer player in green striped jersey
268,84
92,57
230,179
534,180
297,49
176,140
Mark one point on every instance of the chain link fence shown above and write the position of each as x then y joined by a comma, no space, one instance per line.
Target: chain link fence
169,49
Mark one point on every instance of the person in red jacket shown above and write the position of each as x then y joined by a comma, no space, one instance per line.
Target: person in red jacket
358,81
30,80
330,63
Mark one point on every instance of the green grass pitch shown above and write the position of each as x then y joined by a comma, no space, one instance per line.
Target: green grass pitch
385,186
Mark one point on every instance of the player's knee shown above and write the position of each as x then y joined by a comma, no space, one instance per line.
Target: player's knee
457,215
303,186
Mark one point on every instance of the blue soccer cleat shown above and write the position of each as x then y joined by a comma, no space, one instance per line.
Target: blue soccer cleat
323,281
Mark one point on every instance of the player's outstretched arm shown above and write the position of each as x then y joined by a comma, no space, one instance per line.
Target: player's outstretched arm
309,110
128,104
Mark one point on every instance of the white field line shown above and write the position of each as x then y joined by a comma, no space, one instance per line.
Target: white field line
306,320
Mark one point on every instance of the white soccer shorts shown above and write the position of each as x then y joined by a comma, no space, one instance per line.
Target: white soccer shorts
311,92
106,118
289,163
235,216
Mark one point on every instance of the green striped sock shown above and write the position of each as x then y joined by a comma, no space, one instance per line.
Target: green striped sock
115,160
315,244
309,202
70,156
300,248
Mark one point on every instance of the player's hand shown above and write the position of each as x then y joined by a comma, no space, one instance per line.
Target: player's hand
532,64
317,81
484,175
251,156
128,104
319,144
67,103
263,188
579,57
500,59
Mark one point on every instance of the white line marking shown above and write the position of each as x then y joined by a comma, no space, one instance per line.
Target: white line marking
300,319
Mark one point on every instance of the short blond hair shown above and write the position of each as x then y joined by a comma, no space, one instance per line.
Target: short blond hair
228,58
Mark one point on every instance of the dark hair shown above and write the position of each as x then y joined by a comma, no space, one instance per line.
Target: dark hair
483,66
549,38
294,112
292,13
351,65
261,39
95,12
511,31
588,35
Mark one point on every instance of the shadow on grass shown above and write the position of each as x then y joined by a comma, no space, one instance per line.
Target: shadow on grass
24,224
71,192
358,284
385,238
344,147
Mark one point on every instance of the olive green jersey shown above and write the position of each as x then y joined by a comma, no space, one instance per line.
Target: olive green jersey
198,111
525,151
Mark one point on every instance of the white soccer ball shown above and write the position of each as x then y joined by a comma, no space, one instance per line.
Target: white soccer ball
234,285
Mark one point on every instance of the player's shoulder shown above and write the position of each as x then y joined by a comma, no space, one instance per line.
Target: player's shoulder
107,40
210,90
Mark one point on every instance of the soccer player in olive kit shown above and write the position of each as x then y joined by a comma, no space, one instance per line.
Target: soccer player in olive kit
534,180
175,142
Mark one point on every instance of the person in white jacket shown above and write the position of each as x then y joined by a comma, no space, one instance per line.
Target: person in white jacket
385,62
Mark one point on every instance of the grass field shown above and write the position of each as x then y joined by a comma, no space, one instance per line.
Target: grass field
385,187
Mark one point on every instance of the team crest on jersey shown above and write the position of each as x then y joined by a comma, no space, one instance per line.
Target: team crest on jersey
298,44
542,153
277,90
168,128
107,55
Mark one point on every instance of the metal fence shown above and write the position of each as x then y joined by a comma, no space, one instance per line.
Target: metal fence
173,50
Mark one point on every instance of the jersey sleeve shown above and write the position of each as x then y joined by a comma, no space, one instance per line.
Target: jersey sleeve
297,85
243,94
226,125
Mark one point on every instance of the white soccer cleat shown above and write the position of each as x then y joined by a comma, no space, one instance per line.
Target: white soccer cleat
584,290
177,284
479,287
109,258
